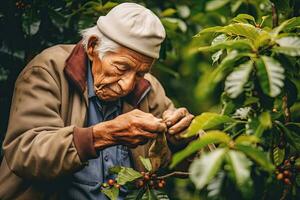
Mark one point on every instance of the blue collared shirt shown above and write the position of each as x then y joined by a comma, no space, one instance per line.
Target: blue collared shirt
86,183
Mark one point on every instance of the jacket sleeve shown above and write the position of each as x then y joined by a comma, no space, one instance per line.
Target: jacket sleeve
38,145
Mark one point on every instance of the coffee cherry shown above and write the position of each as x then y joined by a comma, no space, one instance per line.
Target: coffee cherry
146,177
140,183
160,185
117,185
111,182
279,176
287,173
287,181
143,173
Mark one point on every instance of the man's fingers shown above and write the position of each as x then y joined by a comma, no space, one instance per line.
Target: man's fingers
154,125
181,125
176,116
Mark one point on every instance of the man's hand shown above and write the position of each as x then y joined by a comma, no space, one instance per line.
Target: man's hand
177,121
131,129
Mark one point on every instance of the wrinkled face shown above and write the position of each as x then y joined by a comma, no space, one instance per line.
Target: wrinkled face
117,73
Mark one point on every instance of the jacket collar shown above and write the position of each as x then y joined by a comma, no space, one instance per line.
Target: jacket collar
76,73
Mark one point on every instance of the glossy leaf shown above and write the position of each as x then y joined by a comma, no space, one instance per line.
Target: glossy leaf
211,137
243,18
127,174
237,79
135,194
278,155
230,44
287,24
112,193
256,155
146,162
215,4
289,46
271,75
240,170
247,139
151,194
292,136
203,170
206,121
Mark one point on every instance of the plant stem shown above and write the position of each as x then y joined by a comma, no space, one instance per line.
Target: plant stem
285,108
176,174
274,15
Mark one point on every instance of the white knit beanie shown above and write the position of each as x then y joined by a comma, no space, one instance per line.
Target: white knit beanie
134,27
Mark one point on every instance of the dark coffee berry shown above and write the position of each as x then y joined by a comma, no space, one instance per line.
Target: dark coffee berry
287,173
140,183
287,181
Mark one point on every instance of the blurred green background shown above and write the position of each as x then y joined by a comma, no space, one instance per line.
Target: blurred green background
29,26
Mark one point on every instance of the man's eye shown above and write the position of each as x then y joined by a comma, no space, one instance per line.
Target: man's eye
140,74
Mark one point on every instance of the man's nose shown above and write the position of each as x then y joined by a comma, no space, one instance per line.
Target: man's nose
127,82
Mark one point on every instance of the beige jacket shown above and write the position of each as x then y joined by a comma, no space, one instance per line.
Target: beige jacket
45,142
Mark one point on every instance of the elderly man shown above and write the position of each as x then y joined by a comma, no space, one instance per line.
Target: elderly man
79,110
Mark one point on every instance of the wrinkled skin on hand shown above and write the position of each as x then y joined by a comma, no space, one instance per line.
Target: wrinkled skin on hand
133,128
177,122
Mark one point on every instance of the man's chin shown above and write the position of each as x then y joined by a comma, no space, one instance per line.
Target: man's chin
108,97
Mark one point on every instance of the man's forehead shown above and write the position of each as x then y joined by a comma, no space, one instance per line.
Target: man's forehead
133,55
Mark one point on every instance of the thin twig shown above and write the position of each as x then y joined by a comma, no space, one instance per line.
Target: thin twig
274,15
285,108
176,173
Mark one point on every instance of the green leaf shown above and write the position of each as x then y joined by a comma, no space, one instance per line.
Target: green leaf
168,12
206,121
209,30
135,194
241,29
211,137
288,24
240,170
146,162
151,194
215,4
291,131
247,139
112,193
127,175
265,120
204,169
256,155
115,169
243,18
271,75
278,155
228,44
289,46
237,79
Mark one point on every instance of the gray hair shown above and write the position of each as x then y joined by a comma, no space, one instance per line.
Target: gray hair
104,44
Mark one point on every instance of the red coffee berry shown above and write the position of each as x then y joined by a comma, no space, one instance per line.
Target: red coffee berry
117,185
111,182
146,177
287,181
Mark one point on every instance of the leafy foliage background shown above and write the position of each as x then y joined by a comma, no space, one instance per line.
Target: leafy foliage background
29,26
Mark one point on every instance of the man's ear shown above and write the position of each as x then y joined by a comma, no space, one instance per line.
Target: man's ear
92,43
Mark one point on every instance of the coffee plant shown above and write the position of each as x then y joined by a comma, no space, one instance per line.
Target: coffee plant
258,143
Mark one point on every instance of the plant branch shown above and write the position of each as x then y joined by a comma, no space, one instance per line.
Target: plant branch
178,174
274,15
285,108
